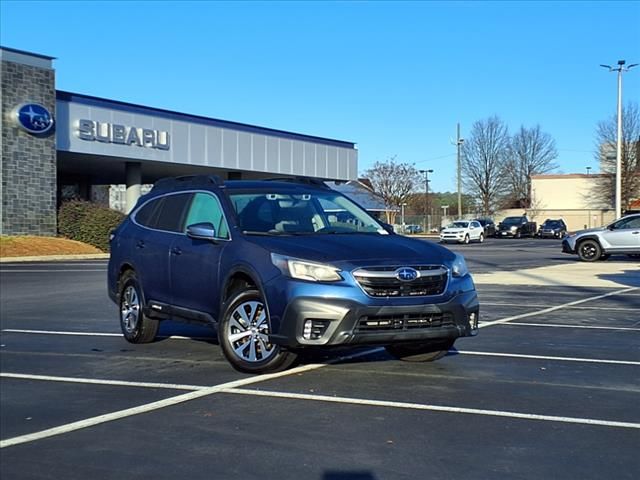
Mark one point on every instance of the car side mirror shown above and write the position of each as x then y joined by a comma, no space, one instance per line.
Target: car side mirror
202,231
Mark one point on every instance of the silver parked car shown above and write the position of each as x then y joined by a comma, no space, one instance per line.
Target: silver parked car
621,236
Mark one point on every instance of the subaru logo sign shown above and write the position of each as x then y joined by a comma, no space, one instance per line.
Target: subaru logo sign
33,118
407,274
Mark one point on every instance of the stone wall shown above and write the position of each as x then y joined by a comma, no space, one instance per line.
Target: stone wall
27,163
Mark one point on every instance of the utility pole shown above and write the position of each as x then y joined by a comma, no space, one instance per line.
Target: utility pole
620,69
459,142
426,198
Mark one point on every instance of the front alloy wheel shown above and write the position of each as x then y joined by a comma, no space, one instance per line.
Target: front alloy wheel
244,335
589,251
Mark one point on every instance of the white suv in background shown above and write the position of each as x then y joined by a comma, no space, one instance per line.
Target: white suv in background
463,231
621,236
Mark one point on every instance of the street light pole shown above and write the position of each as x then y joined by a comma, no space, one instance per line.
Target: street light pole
620,69
459,142
402,205
426,197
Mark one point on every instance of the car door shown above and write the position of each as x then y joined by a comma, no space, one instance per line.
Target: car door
159,225
195,263
475,230
623,235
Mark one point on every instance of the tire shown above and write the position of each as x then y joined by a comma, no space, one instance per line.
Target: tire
589,250
481,238
466,239
243,335
135,325
518,234
420,352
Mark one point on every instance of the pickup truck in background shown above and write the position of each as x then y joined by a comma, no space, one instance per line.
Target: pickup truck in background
516,227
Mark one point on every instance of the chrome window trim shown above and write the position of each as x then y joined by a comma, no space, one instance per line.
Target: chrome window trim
133,214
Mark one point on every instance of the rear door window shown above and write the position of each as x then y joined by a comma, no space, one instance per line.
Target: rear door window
172,212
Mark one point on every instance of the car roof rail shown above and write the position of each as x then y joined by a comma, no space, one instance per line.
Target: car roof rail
318,182
187,181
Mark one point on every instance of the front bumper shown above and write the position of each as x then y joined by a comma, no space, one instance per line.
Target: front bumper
566,247
506,233
346,321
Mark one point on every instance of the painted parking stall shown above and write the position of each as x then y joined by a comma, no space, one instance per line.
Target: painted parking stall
536,346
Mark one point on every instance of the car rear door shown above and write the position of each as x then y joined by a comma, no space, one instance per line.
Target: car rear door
195,263
152,246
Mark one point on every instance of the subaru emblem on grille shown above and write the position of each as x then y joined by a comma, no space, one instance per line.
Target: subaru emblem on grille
407,274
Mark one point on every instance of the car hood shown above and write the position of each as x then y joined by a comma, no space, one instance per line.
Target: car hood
597,229
454,230
356,249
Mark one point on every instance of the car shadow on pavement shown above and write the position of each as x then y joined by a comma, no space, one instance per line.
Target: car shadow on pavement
630,278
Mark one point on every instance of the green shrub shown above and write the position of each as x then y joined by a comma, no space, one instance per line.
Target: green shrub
88,222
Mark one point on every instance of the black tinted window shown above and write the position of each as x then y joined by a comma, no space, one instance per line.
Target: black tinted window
145,216
172,210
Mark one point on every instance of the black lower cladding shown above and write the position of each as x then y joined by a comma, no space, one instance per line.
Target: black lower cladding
351,323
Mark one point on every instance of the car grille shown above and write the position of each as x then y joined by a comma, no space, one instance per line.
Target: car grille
409,321
382,281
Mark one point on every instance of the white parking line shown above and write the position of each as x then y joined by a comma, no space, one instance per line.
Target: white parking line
530,305
436,408
546,357
167,402
95,334
558,325
557,307
94,381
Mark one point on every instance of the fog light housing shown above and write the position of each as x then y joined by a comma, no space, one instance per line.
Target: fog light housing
314,329
473,323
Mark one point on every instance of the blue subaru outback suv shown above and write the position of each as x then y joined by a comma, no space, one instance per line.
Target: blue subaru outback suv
279,266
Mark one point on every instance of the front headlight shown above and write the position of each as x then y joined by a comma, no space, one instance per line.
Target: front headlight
303,270
459,267
513,229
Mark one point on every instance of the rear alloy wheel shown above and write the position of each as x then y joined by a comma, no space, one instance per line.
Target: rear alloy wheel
135,325
244,335
589,251
421,352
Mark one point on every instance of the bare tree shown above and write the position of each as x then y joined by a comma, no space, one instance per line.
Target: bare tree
484,154
393,181
606,138
531,152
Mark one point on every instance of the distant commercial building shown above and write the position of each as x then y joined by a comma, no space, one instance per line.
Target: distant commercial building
571,197
58,144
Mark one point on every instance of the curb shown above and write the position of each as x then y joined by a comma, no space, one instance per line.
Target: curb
50,258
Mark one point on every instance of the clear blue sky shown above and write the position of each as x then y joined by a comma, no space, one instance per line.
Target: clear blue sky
393,77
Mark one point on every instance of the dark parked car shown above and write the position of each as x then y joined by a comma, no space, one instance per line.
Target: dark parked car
276,269
412,229
488,225
553,229
516,227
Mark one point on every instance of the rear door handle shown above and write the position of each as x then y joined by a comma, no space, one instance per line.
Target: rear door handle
140,244
176,251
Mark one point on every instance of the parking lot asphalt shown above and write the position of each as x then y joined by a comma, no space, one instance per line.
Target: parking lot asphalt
550,388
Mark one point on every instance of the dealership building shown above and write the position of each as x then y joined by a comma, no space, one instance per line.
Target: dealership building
57,144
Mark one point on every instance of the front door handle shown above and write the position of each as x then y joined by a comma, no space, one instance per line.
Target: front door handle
635,233
176,251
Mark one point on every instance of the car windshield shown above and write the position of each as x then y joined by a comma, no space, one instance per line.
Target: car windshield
285,213
552,224
459,225
512,220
